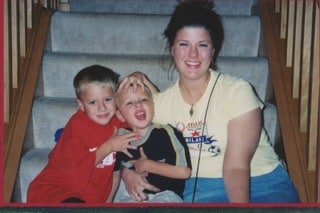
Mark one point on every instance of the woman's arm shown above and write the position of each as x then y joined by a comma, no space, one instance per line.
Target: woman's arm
243,138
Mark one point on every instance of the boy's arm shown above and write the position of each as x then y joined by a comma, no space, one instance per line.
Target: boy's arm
144,166
167,170
117,143
115,185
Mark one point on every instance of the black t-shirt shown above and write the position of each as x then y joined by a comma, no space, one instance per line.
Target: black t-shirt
161,143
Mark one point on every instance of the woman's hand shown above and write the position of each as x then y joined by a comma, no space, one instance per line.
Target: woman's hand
134,79
135,184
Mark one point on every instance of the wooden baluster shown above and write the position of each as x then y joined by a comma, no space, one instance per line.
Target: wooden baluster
314,105
318,132
277,6
44,3
7,84
306,65
22,27
318,156
29,14
290,30
50,4
63,5
297,50
14,43
54,4
283,24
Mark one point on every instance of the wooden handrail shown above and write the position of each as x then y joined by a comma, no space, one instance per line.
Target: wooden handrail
18,19
307,82
291,30
23,21
15,139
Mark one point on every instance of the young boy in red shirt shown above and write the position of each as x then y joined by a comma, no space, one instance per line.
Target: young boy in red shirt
80,167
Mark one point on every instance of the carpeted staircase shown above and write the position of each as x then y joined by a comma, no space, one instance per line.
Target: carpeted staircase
126,35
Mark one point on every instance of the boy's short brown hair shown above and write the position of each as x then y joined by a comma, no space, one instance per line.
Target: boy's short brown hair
95,74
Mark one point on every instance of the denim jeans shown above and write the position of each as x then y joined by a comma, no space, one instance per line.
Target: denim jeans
274,187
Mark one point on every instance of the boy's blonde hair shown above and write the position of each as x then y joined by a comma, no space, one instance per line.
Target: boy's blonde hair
146,89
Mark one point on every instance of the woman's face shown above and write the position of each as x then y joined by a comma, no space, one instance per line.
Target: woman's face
192,52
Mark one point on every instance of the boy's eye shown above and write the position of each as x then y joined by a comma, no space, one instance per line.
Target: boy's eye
129,103
108,99
92,102
144,100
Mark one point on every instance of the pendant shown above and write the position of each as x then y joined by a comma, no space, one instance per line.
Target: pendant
191,111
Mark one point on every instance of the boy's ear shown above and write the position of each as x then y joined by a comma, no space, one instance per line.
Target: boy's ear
119,115
80,104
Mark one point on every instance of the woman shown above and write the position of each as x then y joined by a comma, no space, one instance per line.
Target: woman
220,117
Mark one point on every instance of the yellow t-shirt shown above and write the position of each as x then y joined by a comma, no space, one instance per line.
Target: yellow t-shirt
231,97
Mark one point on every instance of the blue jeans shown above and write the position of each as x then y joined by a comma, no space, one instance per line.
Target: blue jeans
275,187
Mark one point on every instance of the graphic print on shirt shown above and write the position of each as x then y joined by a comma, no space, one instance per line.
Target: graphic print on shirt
193,136
107,161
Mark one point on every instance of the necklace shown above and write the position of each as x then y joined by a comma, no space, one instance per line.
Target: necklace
191,110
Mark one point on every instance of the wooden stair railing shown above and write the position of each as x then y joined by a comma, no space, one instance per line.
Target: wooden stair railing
291,31
26,24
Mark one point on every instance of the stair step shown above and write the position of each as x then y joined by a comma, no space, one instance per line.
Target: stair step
271,124
140,34
254,70
48,115
31,164
65,67
225,7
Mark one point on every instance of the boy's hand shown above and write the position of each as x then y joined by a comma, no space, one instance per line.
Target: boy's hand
136,184
141,164
117,143
121,143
